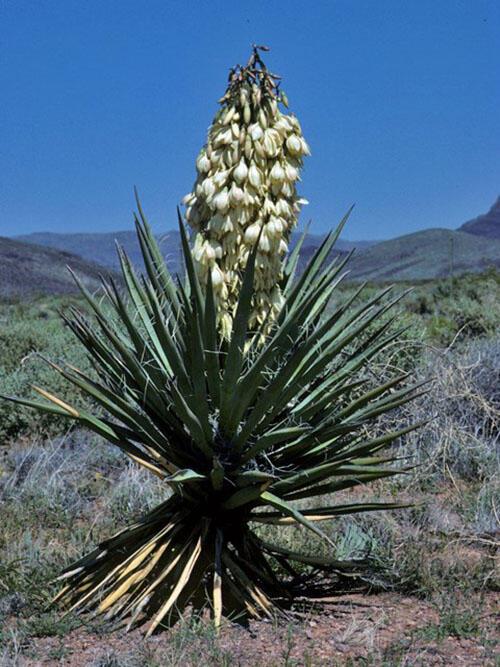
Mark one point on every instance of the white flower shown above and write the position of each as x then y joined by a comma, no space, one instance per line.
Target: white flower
248,199
209,252
221,201
191,215
277,225
236,194
291,173
241,172
304,147
203,164
247,114
216,157
208,188
223,138
283,248
254,176
277,172
282,126
217,249
269,207
276,187
294,145
220,178
262,119
226,324
228,116
269,144
271,230
217,276
283,208
256,132
252,233
235,130
264,245
189,199
227,225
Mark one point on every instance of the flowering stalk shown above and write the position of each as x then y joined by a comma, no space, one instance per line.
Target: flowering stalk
245,192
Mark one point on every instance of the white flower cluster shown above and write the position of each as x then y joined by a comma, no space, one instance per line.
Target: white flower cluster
245,193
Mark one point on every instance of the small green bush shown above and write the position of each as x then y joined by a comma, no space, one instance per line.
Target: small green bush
28,331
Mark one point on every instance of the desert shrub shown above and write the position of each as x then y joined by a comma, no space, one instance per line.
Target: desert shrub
461,308
48,493
27,332
56,481
463,408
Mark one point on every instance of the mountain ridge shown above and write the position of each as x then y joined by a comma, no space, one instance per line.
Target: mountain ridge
426,254
100,247
486,224
28,269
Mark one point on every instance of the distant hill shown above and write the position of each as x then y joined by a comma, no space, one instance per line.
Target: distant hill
432,253
427,254
487,224
101,248
27,269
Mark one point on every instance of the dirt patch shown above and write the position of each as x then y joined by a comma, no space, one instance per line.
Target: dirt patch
385,629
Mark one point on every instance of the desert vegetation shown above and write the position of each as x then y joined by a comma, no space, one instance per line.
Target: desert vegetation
62,490
260,419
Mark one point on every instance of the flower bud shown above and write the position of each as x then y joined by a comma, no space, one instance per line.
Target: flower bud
283,208
217,277
283,248
236,194
264,245
256,132
229,115
203,163
304,147
269,145
291,173
221,201
247,114
254,176
293,144
227,225
208,188
217,249
277,172
235,130
252,234
220,178
241,172
189,199
209,252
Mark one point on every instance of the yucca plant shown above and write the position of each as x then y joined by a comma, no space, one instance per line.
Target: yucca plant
244,423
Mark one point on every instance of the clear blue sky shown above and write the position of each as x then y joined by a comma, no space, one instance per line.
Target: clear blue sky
400,102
